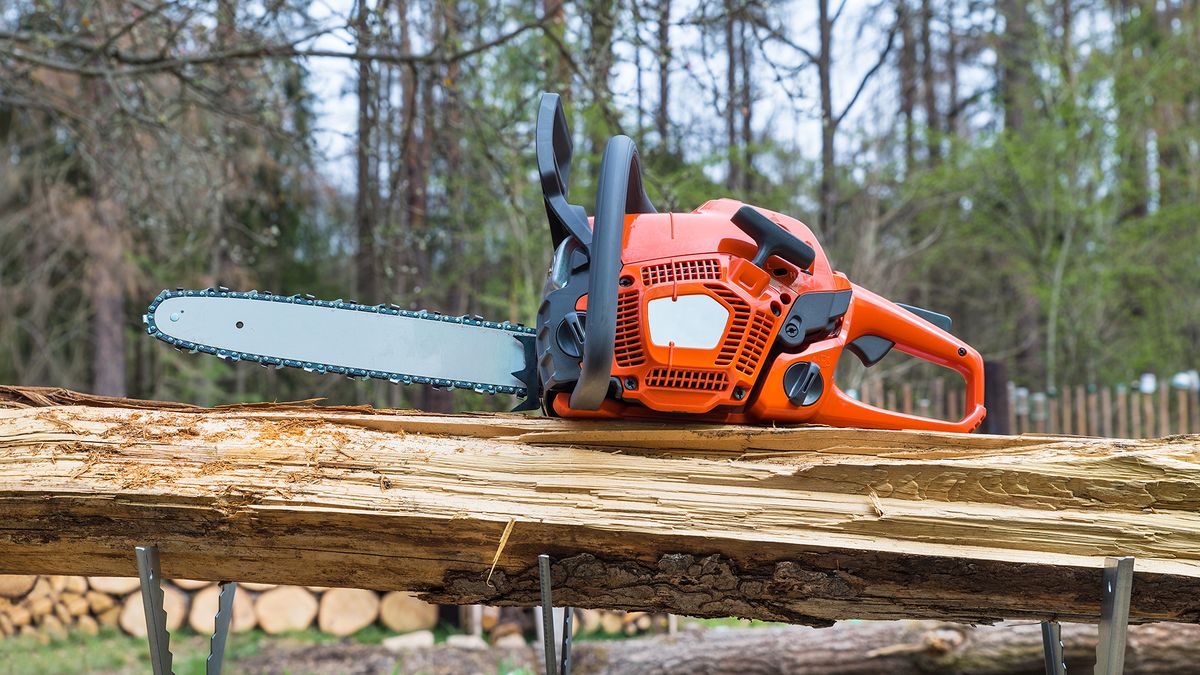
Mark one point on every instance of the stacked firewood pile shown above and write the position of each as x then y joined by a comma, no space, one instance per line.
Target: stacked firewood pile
48,606
497,623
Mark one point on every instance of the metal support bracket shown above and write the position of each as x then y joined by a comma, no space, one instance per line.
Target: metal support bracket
554,665
1114,616
1053,647
157,635
1114,623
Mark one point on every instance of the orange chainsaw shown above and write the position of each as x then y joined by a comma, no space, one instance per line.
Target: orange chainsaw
730,313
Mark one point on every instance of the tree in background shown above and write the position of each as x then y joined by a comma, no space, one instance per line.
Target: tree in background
1029,168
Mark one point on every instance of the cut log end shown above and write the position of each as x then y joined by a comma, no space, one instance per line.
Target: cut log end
132,618
285,609
203,613
16,586
345,611
404,612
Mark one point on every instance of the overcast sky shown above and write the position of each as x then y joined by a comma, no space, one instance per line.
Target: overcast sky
795,121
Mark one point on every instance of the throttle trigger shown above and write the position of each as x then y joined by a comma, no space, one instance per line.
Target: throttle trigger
870,349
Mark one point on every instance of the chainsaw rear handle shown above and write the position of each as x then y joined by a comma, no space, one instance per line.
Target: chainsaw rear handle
554,152
618,192
873,315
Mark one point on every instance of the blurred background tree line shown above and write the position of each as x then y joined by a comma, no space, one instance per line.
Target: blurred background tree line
1030,168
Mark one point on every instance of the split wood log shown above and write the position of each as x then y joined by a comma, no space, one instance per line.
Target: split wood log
110,617
345,611
118,586
489,616
19,615
285,609
588,620
88,625
404,612
39,606
203,615
804,525
76,604
16,586
98,602
893,647
612,623
75,584
191,584
64,615
52,627
133,614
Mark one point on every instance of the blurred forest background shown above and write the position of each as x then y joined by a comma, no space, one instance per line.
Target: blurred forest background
1030,167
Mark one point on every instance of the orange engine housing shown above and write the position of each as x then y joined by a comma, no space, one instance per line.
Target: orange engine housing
729,313
738,377
661,261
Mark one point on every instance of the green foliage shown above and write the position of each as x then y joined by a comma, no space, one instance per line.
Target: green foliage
1064,244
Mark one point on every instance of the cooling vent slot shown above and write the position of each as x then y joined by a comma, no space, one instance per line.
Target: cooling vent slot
684,378
739,327
755,344
628,345
682,270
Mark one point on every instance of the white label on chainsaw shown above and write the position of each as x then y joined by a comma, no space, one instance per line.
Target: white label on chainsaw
690,321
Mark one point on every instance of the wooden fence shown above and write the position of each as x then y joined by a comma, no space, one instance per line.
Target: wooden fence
1119,411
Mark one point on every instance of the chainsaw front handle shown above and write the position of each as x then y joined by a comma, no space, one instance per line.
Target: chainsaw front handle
873,315
619,192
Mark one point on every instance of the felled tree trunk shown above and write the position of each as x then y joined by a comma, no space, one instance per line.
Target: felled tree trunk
805,525
893,647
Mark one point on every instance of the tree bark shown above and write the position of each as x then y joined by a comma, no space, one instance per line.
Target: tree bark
828,187
933,121
908,81
662,117
105,263
1014,60
746,106
893,647
733,178
367,258
600,59
805,525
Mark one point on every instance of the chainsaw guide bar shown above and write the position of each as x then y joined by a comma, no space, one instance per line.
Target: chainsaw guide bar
406,347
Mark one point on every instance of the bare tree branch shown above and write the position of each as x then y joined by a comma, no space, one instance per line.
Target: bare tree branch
862,84
142,64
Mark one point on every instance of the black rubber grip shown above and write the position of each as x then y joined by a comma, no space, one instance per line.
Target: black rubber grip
773,239
554,168
619,191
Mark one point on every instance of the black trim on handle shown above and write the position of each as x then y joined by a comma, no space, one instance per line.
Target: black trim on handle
554,151
618,192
